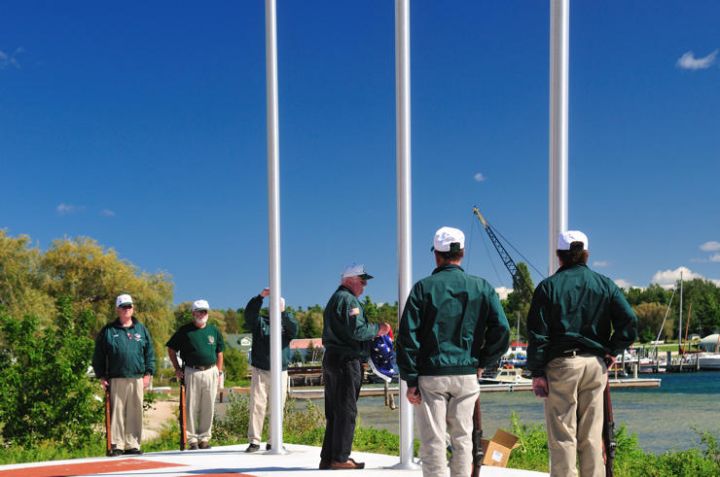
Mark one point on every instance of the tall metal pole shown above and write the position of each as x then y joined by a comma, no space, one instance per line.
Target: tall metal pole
273,163
404,202
558,170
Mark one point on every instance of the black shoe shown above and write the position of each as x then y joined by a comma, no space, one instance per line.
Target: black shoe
116,452
204,445
133,451
193,446
252,448
268,447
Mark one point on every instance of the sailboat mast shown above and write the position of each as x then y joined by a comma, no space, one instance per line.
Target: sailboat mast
681,308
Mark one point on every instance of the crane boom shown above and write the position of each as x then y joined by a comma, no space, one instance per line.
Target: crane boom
517,279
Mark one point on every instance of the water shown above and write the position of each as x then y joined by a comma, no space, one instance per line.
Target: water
663,418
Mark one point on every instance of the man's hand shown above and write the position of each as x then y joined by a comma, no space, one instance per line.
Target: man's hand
146,381
610,360
540,387
179,374
105,383
384,329
413,395
265,292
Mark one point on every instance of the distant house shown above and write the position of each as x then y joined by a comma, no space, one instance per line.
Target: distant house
310,349
239,341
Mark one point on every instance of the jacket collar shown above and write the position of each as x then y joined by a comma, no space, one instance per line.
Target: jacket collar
450,267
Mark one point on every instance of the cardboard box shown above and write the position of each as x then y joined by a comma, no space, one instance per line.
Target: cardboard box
497,450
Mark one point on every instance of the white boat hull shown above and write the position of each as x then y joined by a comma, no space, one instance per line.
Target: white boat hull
709,362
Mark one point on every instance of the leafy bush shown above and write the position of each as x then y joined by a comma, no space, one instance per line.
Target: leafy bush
235,365
45,393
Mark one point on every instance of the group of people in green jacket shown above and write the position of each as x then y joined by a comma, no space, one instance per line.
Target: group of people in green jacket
452,327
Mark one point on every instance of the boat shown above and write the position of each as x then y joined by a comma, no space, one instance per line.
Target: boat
709,361
506,376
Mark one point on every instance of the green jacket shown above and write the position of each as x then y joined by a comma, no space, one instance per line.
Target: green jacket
123,352
452,324
259,326
577,308
345,329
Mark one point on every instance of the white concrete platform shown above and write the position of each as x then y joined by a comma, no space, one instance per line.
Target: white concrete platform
299,461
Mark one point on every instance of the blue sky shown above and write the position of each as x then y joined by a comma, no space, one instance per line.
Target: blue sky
142,125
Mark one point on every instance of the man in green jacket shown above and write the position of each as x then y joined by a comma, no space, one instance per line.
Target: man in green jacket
578,321
346,337
260,380
124,359
201,347
452,327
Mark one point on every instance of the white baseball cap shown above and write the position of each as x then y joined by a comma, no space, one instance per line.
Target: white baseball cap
565,239
122,300
356,270
445,237
199,305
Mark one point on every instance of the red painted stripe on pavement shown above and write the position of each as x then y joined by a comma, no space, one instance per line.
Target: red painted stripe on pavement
87,468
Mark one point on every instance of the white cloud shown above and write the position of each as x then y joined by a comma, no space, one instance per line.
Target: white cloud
479,177
600,263
715,258
107,213
67,209
711,246
688,61
503,292
622,283
10,59
668,278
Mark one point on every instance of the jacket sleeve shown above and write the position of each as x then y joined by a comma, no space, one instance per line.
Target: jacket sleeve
538,332
407,342
497,333
360,329
624,322
252,313
149,354
99,360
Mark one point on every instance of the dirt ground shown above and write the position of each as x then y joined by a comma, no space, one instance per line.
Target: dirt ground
156,419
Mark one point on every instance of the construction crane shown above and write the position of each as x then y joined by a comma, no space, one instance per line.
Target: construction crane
517,279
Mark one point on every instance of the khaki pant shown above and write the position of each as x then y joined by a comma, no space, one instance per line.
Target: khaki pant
201,390
574,415
447,407
259,393
126,403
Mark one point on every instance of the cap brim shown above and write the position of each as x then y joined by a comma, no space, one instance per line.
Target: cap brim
365,276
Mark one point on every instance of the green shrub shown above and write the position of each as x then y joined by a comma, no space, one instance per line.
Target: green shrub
45,393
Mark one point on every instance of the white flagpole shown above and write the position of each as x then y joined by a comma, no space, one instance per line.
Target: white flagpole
404,202
273,164
558,170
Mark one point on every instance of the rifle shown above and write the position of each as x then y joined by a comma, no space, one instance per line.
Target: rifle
108,422
182,417
478,453
608,432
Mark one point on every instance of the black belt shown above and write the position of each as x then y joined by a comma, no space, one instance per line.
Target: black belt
201,368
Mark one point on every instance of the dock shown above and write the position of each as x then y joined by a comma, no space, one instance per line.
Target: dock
376,391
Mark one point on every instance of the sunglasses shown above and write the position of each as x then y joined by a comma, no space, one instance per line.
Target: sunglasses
126,307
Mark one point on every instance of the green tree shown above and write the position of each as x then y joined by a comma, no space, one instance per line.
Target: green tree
517,305
652,294
650,317
704,296
311,322
44,390
235,364
22,282
93,276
